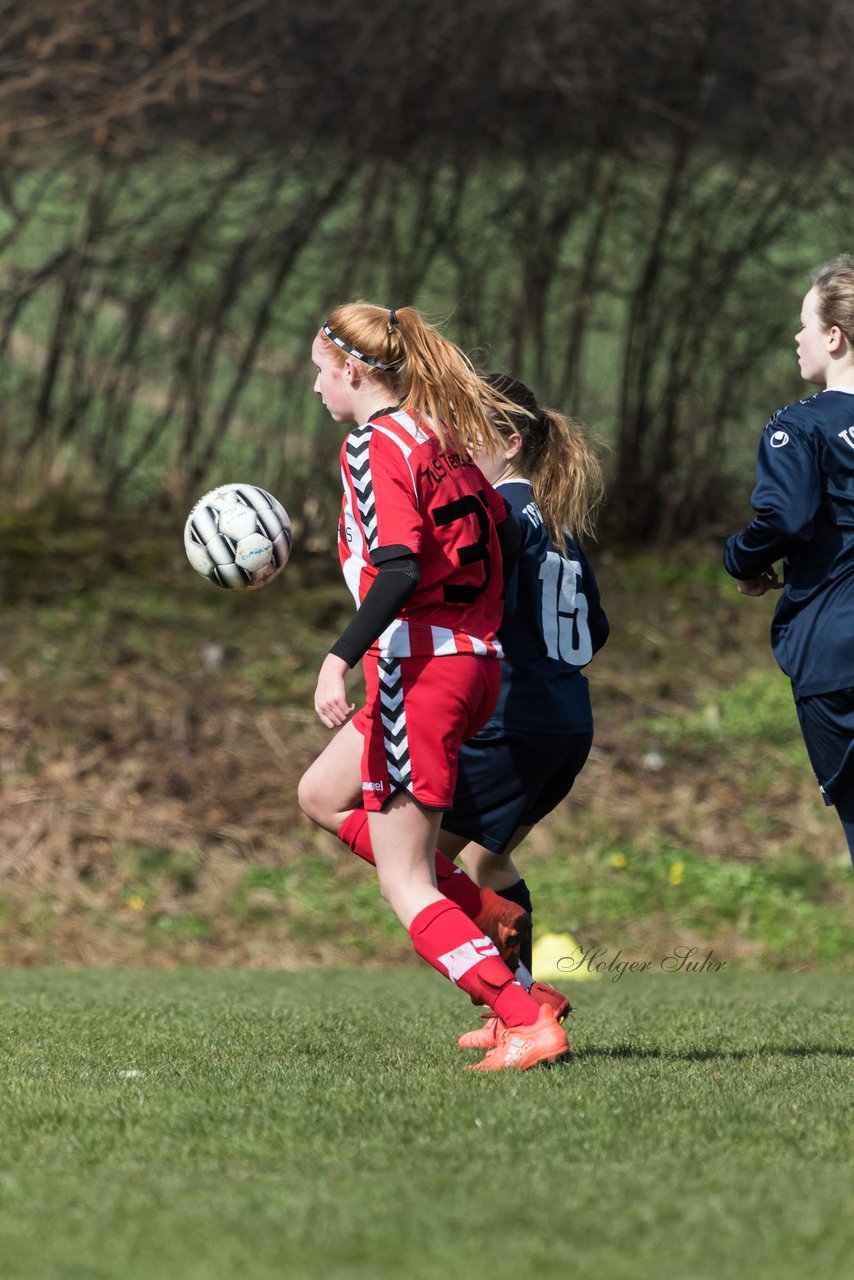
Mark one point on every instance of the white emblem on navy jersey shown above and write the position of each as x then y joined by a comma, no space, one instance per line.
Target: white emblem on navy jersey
778,439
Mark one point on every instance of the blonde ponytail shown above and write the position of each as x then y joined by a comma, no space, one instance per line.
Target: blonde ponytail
424,371
566,477
558,455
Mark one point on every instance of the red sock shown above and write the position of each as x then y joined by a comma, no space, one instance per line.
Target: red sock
452,880
355,834
447,940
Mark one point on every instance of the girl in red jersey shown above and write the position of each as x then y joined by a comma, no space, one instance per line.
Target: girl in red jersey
422,541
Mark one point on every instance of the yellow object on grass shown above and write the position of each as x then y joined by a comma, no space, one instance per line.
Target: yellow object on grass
558,955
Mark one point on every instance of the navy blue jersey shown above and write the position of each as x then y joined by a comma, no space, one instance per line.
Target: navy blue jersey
553,624
804,504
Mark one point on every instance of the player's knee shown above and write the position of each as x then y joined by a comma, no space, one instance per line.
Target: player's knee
309,798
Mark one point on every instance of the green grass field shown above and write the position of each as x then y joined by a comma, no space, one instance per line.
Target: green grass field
206,1124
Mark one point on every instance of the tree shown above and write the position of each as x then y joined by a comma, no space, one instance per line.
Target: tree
590,192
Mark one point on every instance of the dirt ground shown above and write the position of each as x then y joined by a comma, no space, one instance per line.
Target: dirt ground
152,732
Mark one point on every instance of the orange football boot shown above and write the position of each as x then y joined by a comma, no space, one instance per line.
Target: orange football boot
486,1037
520,1048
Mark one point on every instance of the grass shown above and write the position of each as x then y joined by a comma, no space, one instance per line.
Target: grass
314,1124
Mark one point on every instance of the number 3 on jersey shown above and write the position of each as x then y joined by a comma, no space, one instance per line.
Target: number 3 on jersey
565,629
458,509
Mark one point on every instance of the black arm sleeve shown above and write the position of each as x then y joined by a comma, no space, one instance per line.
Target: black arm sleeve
510,540
395,582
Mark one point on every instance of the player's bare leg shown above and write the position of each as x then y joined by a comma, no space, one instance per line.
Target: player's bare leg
403,836
493,870
330,793
331,787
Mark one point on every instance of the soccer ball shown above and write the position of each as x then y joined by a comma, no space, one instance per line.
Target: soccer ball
238,536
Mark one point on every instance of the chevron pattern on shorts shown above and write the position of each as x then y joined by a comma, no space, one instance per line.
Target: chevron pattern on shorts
358,443
393,714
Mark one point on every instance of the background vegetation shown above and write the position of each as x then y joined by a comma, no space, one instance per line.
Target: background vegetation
621,202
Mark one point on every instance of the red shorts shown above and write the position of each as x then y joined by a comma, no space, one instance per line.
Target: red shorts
418,712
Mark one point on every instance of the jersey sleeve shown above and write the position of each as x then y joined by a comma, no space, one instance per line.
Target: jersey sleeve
786,498
395,582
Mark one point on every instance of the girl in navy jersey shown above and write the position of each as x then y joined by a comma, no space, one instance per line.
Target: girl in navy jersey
422,541
804,503
528,755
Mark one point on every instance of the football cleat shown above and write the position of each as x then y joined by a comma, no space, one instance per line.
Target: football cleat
544,994
506,923
520,1048
486,1037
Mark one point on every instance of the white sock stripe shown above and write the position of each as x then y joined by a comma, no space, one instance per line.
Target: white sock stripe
465,957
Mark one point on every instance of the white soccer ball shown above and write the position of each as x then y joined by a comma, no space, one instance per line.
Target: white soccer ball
238,536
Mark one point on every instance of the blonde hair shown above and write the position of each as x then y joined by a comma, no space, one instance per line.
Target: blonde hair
558,455
425,372
835,286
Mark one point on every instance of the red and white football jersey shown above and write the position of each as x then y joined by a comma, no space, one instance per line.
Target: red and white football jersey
404,493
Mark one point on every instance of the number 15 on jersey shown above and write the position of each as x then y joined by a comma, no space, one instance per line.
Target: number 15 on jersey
565,629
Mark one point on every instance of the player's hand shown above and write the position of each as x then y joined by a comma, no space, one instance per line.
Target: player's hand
330,696
767,581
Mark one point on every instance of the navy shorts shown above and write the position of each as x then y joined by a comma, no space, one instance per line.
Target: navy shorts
507,780
827,725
